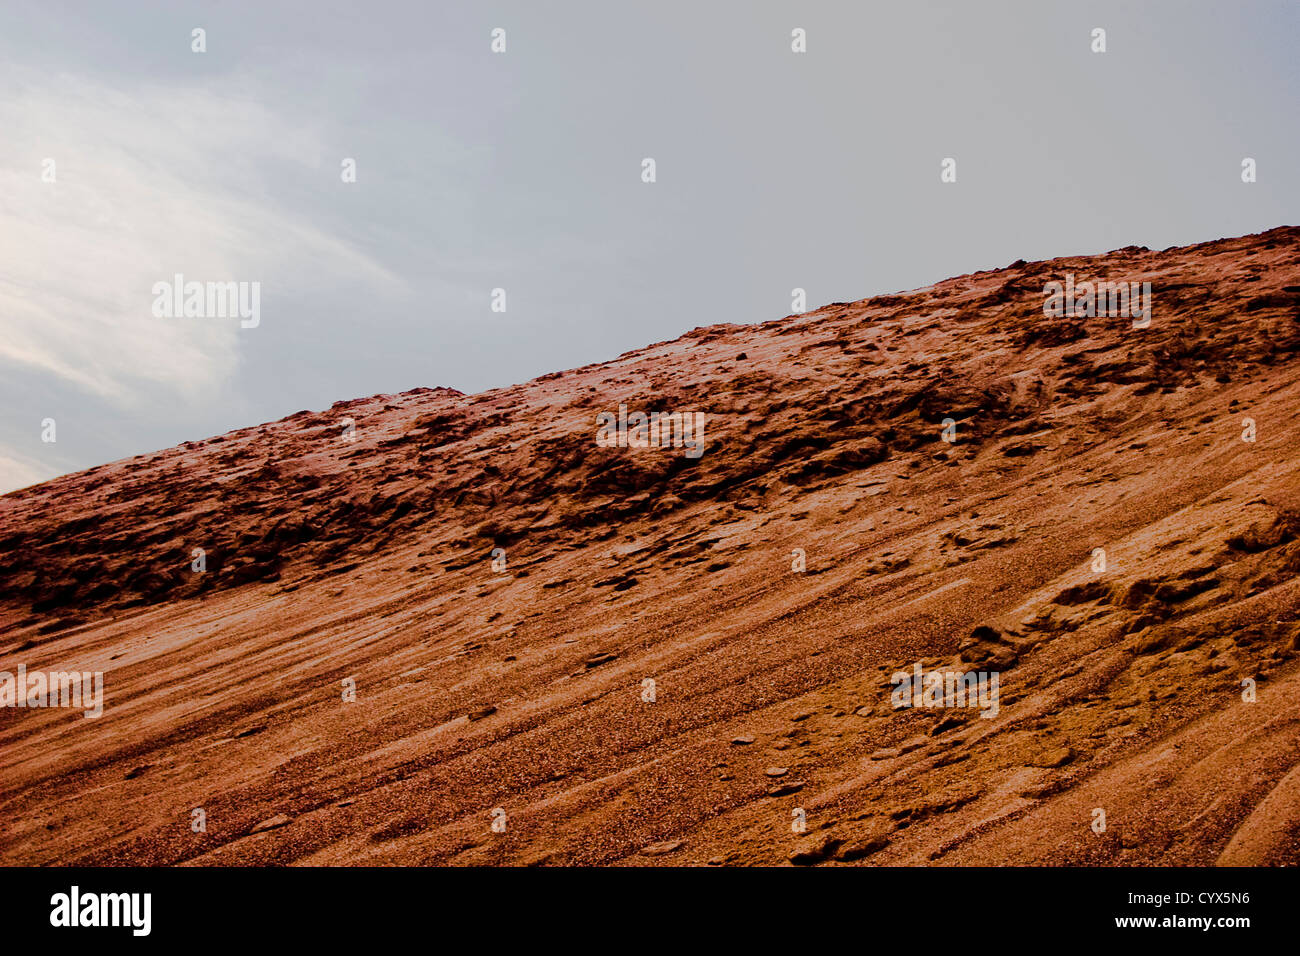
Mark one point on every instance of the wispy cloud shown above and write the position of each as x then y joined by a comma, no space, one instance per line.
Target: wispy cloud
149,182
16,474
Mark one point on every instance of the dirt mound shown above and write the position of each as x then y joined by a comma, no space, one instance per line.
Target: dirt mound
441,628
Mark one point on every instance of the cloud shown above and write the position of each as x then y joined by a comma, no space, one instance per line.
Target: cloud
150,182
16,473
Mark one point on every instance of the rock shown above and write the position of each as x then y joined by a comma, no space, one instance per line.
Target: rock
787,788
1040,620
777,771
1056,757
661,849
1175,592
1021,448
948,723
1153,640
1142,622
718,860
861,849
742,741
988,646
886,753
1262,536
1040,791
486,711
272,823
1138,593
1084,594
813,850
665,504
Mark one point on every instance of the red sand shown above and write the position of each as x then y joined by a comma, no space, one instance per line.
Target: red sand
523,690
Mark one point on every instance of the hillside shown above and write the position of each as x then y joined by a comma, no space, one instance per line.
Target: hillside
521,688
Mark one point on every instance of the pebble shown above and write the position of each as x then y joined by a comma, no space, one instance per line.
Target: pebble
860,849
813,850
787,788
661,849
271,823
1054,758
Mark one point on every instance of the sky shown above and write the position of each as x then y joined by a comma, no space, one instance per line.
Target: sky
522,170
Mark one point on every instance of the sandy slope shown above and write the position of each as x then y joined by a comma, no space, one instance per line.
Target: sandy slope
522,690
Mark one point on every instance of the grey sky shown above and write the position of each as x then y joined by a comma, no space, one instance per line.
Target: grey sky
522,170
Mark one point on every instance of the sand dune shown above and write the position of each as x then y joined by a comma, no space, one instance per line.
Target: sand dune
523,688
